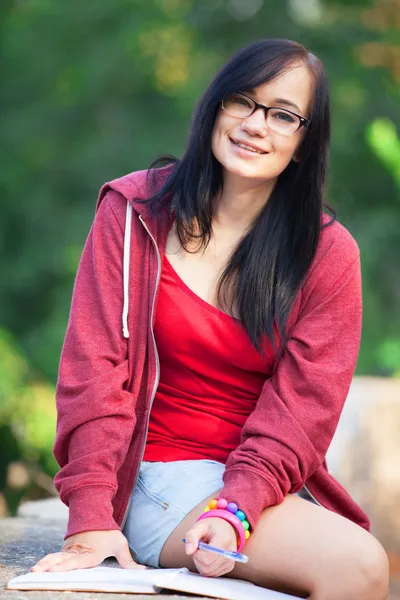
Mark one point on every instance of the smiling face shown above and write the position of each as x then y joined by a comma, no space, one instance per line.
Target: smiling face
292,90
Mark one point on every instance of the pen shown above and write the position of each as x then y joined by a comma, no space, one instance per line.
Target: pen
232,555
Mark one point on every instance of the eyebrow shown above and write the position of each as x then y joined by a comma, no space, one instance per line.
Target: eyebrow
287,103
279,100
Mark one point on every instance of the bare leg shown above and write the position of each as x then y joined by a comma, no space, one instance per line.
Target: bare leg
301,549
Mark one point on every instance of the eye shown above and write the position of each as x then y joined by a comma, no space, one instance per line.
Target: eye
283,116
240,101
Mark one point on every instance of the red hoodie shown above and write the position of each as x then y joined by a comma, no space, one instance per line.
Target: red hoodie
109,373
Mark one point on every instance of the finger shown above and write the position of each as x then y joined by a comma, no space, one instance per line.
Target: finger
207,564
220,572
44,563
125,559
196,533
77,561
226,567
67,551
218,569
206,558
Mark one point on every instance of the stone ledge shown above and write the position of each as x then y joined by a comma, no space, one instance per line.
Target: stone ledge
50,508
24,541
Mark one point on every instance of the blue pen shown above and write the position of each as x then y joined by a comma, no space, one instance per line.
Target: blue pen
232,555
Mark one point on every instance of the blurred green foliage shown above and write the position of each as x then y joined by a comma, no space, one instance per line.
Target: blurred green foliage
26,402
93,90
27,418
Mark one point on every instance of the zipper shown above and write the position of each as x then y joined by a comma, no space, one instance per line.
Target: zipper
312,496
157,379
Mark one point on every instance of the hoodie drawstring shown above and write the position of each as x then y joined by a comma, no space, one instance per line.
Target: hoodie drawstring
127,254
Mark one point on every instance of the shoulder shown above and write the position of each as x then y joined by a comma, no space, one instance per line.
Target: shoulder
116,197
337,258
122,189
336,248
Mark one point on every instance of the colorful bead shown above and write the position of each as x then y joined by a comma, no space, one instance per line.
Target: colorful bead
219,506
232,519
232,507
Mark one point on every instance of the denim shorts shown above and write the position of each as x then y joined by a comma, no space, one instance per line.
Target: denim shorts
164,494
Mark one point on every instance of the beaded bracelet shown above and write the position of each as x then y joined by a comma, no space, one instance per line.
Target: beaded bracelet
231,513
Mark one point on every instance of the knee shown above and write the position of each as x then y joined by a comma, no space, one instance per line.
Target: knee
372,569
361,573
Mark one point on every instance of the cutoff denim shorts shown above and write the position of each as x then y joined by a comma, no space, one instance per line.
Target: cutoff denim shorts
164,494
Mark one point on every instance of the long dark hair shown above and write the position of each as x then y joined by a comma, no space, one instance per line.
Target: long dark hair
270,263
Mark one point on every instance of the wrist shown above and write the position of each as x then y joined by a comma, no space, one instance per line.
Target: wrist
217,525
230,512
90,509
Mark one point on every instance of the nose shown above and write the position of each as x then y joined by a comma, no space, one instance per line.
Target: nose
256,124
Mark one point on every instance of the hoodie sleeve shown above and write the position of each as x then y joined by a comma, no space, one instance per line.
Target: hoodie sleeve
96,415
288,434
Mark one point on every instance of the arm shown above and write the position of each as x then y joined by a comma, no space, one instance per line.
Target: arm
96,415
288,434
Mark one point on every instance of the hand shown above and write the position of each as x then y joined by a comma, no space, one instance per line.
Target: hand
215,531
89,549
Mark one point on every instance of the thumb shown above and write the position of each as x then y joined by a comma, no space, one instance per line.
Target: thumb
196,533
125,559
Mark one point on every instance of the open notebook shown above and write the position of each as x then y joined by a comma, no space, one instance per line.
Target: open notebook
149,581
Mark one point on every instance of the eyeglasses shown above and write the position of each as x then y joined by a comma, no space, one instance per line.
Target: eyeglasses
279,120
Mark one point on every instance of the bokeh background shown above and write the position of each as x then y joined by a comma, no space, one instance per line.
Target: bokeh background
92,90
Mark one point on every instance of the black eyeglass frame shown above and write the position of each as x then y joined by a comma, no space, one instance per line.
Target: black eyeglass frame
303,121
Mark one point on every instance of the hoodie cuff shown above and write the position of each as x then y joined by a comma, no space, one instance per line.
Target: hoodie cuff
90,509
250,492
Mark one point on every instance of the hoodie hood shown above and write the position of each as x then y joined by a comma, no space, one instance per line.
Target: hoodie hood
134,187
137,186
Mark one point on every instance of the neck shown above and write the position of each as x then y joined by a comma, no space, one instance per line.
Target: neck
239,203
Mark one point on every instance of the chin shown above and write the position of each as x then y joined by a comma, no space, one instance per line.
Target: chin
245,173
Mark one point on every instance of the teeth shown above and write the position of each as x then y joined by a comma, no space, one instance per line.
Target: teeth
247,148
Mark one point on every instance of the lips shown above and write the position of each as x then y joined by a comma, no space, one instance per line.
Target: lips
248,147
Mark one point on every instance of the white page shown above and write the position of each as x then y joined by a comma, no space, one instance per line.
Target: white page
107,579
220,587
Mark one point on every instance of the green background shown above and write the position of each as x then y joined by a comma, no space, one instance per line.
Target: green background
93,90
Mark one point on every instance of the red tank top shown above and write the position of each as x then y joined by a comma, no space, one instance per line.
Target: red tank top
210,377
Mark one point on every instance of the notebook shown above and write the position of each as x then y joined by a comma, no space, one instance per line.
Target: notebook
98,579
147,581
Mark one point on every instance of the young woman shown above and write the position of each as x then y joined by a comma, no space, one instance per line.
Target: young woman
215,292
